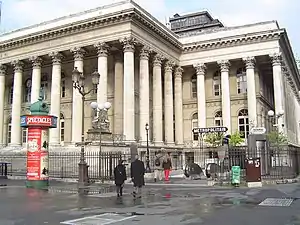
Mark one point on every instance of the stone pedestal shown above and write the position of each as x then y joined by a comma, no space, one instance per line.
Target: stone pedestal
94,135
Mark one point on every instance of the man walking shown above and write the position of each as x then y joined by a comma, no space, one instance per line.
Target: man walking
137,171
158,169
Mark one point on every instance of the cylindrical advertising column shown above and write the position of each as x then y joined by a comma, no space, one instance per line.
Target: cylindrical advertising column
37,149
37,157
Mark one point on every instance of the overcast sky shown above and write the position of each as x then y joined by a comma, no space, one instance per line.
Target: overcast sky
20,13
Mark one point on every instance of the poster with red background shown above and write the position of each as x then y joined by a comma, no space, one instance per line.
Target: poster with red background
33,153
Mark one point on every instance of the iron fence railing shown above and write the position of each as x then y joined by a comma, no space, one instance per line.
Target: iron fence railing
281,162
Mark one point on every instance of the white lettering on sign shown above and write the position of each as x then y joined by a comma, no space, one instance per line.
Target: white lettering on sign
38,120
258,130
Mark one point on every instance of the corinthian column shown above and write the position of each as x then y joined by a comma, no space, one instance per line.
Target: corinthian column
118,95
77,99
144,92
168,112
102,49
128,97
226,112
251,92
157,101
278,88
2,93
201,99
36,78
178,106
16,104
54,134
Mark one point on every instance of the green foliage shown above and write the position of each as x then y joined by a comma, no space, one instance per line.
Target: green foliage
214,139
236,139
277,138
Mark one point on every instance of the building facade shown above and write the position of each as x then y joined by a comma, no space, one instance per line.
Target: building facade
194,73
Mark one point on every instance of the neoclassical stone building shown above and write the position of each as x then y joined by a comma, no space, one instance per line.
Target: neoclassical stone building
192,73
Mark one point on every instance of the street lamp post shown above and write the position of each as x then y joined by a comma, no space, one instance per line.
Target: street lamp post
148,169
276,116
78,83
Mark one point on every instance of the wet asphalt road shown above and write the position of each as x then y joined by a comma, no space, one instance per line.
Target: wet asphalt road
159,205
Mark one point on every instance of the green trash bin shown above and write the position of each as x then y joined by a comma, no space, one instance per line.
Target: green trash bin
235,175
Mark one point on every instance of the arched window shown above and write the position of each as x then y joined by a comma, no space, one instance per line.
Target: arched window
217,83
194,86
44,84
63,85
62,128
9,130
241,80
195,125
10,95
27,91
218,119
243,123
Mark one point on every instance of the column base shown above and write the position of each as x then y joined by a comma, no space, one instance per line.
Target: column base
158,143
170,143
14,145
37,184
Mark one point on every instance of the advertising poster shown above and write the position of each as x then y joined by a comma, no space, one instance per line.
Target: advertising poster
44,161
33,153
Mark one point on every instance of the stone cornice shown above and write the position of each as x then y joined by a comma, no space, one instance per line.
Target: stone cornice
89,24
233,41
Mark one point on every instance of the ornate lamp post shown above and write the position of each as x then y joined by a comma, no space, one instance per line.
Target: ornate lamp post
148,169
78,83
278,115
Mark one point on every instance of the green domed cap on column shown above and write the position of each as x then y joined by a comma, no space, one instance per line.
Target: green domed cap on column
40,107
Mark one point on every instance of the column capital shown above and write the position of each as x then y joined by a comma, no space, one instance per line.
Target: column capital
157,60
200,68
169,65
102,48
78,53
128,43
276,59
224,65
3,70
178,72
56,57
18,65
249,62
144,53
36,61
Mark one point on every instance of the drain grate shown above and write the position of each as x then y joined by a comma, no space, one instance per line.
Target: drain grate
277,202
103,219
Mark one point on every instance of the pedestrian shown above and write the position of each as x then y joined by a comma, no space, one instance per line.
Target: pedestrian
120,177
158,169
137,175
167,166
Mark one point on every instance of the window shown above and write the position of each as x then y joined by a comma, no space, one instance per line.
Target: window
44,85
194,86
217,83
9,131
63,85
24,135
243,123
10,95
218,119
195,125
241,81
62,128
27,91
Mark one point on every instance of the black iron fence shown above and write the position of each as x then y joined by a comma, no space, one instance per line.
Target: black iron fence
281,162
65,164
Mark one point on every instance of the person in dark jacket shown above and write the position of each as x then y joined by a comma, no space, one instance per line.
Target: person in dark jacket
120,177
137,175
